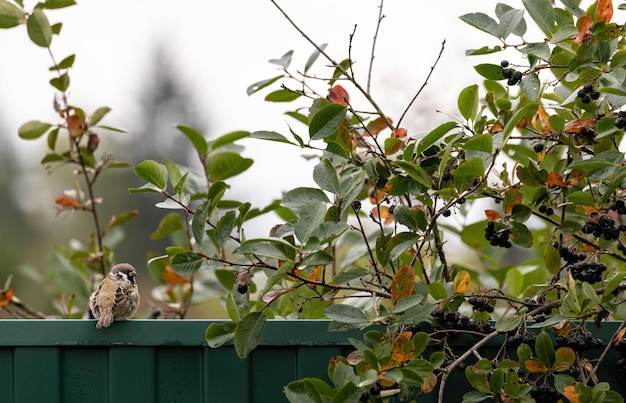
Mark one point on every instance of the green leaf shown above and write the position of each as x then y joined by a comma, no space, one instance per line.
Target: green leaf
473,168
283,95
468,102
217,334
545,349
152,172
54,4
224,228
198,222
346,314
169,224
481,21
299,197
531,86
186,263
61,83
228,138
581,197
224,165
326,121
33,129
196,138
542,12
10,16
98,115
522,236
319,258
284,60
437,291
248,333
260,247
259,85
39,29
508,323
52,138
509,22
552,259
311,216
314,56
271,136
477,379
415,171
434,136
304,391
121,218
325,176
490,71
400,243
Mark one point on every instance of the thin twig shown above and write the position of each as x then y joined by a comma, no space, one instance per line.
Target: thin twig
374,40
608,348
432,69
337,66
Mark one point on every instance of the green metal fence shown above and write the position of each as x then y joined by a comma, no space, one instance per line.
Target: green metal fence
168,361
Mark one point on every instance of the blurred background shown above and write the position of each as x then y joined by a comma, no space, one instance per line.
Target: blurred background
157,64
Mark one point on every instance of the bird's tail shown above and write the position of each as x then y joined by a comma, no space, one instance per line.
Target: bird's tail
106,317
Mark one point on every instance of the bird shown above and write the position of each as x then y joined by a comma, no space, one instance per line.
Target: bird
117,296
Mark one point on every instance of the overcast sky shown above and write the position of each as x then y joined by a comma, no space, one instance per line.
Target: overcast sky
221,47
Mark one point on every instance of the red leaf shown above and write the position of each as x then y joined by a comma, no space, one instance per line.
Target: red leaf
173,278
376,126
67,201
583,24
75,125
338,95
555,180
399,133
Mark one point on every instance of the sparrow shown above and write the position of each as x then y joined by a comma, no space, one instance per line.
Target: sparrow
117,297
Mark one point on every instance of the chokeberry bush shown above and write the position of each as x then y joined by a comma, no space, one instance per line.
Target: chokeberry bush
502,225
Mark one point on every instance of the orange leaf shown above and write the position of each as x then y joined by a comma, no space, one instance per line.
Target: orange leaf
583,24
66,201
338,95
492,215
555,180
604,10
376,126
402,348
578,125
173,278
429,383
382,212
534,366
540,121
461,281
402,284
570,394
619,336
75,125
399,133
293,272
575,176
377,195
5,297
314,275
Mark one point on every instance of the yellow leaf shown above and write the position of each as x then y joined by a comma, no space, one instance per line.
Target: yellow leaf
402,348
461,281
402,284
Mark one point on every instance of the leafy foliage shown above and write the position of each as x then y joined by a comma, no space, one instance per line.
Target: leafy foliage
537,146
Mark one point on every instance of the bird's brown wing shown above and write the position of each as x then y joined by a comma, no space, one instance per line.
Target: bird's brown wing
105,300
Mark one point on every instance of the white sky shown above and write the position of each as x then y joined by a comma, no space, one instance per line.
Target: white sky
221,47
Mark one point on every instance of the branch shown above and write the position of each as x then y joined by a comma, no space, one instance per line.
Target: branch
380,20
432,69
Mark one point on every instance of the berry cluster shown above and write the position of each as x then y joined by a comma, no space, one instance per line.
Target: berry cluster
516,339
479,304
546,210
571,257
545,393
513,76
620,122
579,342
588,135
618,206
587,93
454,320
497,238
604,227
588,272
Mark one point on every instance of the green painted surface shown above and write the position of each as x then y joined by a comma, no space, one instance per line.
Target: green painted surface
168,361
